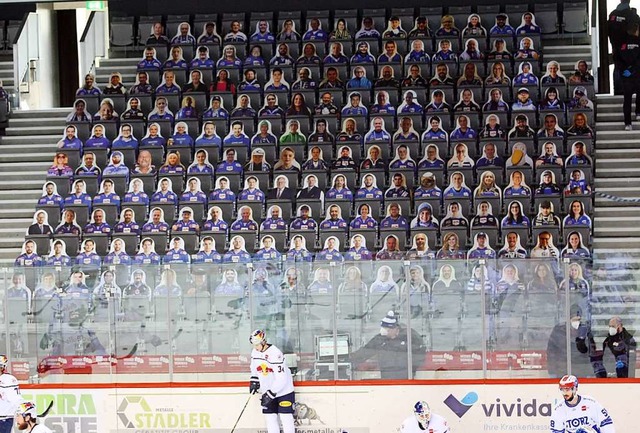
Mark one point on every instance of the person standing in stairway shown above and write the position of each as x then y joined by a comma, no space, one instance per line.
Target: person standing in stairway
619,20
629,55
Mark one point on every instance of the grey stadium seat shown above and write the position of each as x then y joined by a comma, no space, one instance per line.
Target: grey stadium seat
122,31
547,17
575,18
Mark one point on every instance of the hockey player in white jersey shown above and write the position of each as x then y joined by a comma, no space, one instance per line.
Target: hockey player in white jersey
10,396
26,419
271,376
579,413
423,420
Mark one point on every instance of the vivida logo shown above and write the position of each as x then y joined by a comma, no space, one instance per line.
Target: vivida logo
519,409
499,408
460,407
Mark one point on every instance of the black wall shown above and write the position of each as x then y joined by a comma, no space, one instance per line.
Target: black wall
16,11
67,56
164,7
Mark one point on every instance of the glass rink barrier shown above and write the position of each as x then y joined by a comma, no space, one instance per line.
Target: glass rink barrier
333,320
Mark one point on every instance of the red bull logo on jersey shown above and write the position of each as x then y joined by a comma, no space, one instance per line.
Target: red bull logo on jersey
264,369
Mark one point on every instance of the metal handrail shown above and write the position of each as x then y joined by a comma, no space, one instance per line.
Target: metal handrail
87,26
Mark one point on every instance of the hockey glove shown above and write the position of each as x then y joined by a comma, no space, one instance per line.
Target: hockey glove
254,385
622,361
267,398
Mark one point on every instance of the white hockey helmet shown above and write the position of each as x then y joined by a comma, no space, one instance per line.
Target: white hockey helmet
422,412
568,381
4,361
27,408
257,337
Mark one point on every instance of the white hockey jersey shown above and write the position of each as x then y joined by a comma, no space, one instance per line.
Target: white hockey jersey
10,396
40,428
437,424
272,371
587,412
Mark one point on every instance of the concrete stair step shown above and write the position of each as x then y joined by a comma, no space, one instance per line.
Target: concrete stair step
615,182
13,131
34,147
35,130
619,204
600,223
104,75
630,253
620,242
615,127
621,191
565,39
125,66
615,153
37,114
9,254
45,121
33,157
10,242
611,108
23,184
617,172
566,49
608,99
620,229
16,223
626,163
616,133
31,194
32,139
623,212
20,212
569,58
115,62
614,116
29,202
11,170
619,143
10,232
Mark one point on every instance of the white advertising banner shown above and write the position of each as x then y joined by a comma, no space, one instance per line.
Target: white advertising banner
468,408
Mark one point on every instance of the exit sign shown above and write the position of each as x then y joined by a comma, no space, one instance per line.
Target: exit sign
95,5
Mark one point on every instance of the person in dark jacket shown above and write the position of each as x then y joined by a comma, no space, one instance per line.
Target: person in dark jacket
629,59
390,349
619,20
622,345
580,331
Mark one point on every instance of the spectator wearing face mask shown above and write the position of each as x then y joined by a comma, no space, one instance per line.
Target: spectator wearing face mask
621,344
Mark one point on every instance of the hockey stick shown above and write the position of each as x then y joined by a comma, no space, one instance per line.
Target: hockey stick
46,411
132,352
43,368
175,336
240,416
370,309
37,313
